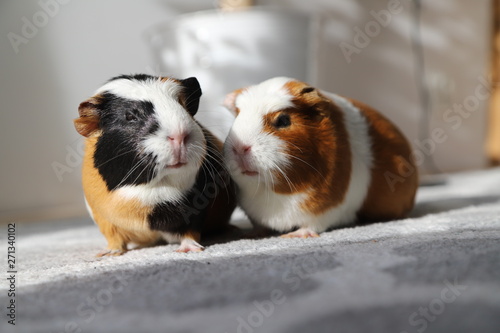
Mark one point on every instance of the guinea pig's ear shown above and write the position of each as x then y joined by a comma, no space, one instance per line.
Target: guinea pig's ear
88,122
192,94
307,90
230,101
311,95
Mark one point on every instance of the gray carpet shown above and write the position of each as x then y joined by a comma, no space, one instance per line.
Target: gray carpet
438,271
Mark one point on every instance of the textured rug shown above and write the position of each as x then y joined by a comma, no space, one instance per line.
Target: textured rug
437,271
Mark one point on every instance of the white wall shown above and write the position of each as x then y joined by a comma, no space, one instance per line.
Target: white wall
88,41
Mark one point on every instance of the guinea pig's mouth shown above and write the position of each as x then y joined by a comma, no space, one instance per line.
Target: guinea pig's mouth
249,173
245,167
176,166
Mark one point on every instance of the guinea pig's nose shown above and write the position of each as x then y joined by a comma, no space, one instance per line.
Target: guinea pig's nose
242,150
178,139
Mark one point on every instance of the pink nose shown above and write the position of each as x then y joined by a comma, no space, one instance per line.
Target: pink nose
178,139
242,149
179,151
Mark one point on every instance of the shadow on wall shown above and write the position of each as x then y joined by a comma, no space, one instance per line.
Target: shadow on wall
383,71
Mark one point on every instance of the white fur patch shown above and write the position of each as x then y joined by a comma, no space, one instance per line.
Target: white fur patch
255,102
146,90
276,211
170,189
265,97
171,238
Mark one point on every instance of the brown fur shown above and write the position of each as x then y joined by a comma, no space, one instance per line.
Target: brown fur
88,122
391,155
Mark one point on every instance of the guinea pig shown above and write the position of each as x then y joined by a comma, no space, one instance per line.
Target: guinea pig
306,160
151,172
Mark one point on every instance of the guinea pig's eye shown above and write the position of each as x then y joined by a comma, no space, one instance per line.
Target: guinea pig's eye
129,116
282,121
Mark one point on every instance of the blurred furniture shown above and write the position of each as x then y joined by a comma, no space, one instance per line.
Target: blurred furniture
227,50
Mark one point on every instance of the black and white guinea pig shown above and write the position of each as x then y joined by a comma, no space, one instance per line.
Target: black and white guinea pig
306,160
150,171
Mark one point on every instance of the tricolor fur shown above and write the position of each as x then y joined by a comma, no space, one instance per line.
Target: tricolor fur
148,163
313,160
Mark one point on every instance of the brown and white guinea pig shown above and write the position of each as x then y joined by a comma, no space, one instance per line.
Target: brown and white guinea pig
150,171
306,160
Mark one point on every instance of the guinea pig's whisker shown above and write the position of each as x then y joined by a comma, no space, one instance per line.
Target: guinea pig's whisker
140,173
266,182
220,170
230,141
211,150
152,172
220,160
287,179
199,152
258,185
114,157
296,147
273,182
206,169
206,166
215,152
306,163
211,168
132,170
129,173
290,184
194,91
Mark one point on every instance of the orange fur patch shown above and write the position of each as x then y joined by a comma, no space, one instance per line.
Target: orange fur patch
167,78
120,220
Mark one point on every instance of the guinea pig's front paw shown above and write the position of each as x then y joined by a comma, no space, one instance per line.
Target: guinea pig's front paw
301,233
111,253
189,245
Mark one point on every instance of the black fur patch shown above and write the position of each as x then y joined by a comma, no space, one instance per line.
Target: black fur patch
192,94
138,77
124,123
189,214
